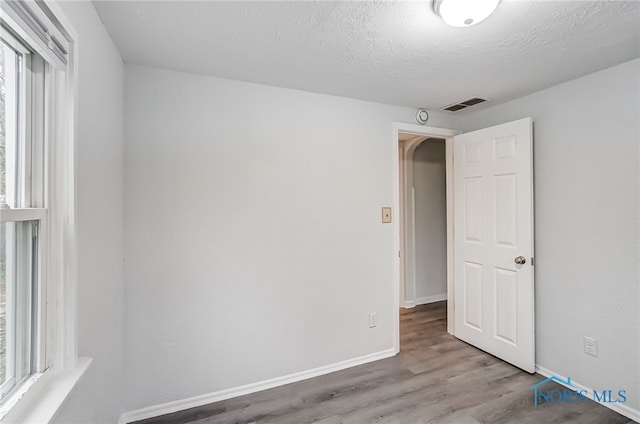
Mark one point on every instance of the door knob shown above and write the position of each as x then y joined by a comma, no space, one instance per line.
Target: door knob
520,260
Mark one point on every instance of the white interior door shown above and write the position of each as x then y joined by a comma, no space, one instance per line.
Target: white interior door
493,241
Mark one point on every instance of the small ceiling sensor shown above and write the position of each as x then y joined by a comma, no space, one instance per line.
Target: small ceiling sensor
464,13
422,116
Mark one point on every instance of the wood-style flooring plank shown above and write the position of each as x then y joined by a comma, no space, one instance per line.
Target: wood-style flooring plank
436,379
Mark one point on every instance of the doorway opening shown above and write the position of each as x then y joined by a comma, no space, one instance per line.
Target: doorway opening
424,215
424,224
489,178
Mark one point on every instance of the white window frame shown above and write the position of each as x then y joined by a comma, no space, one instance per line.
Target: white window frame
28,206
58,366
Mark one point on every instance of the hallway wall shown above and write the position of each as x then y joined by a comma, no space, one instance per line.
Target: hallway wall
429,170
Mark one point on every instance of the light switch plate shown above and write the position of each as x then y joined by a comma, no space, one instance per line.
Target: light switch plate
386,215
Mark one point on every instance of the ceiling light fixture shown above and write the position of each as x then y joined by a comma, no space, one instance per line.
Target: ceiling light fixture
464,13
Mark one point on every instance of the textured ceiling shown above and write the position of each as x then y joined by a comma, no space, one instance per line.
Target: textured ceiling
390,52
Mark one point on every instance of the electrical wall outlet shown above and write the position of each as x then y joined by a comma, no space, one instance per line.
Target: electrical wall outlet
373,320
590,346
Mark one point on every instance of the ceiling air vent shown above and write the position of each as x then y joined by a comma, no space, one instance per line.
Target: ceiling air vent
464,104
454,108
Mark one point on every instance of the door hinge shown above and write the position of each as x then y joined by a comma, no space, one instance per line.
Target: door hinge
532,262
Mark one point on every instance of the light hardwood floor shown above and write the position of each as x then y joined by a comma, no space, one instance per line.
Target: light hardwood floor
435,379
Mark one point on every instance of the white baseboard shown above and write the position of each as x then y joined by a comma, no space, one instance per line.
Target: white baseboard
431,299
180,405
408,304
630,413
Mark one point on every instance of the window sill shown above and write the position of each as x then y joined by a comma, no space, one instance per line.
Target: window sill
41,398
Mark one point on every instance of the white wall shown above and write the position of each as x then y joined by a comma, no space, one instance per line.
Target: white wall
587,133
99,178
253,237
429,171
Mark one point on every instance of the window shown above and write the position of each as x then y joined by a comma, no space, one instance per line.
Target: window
21,189
36,200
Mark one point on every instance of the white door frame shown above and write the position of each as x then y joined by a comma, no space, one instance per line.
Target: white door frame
406,216
399,227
